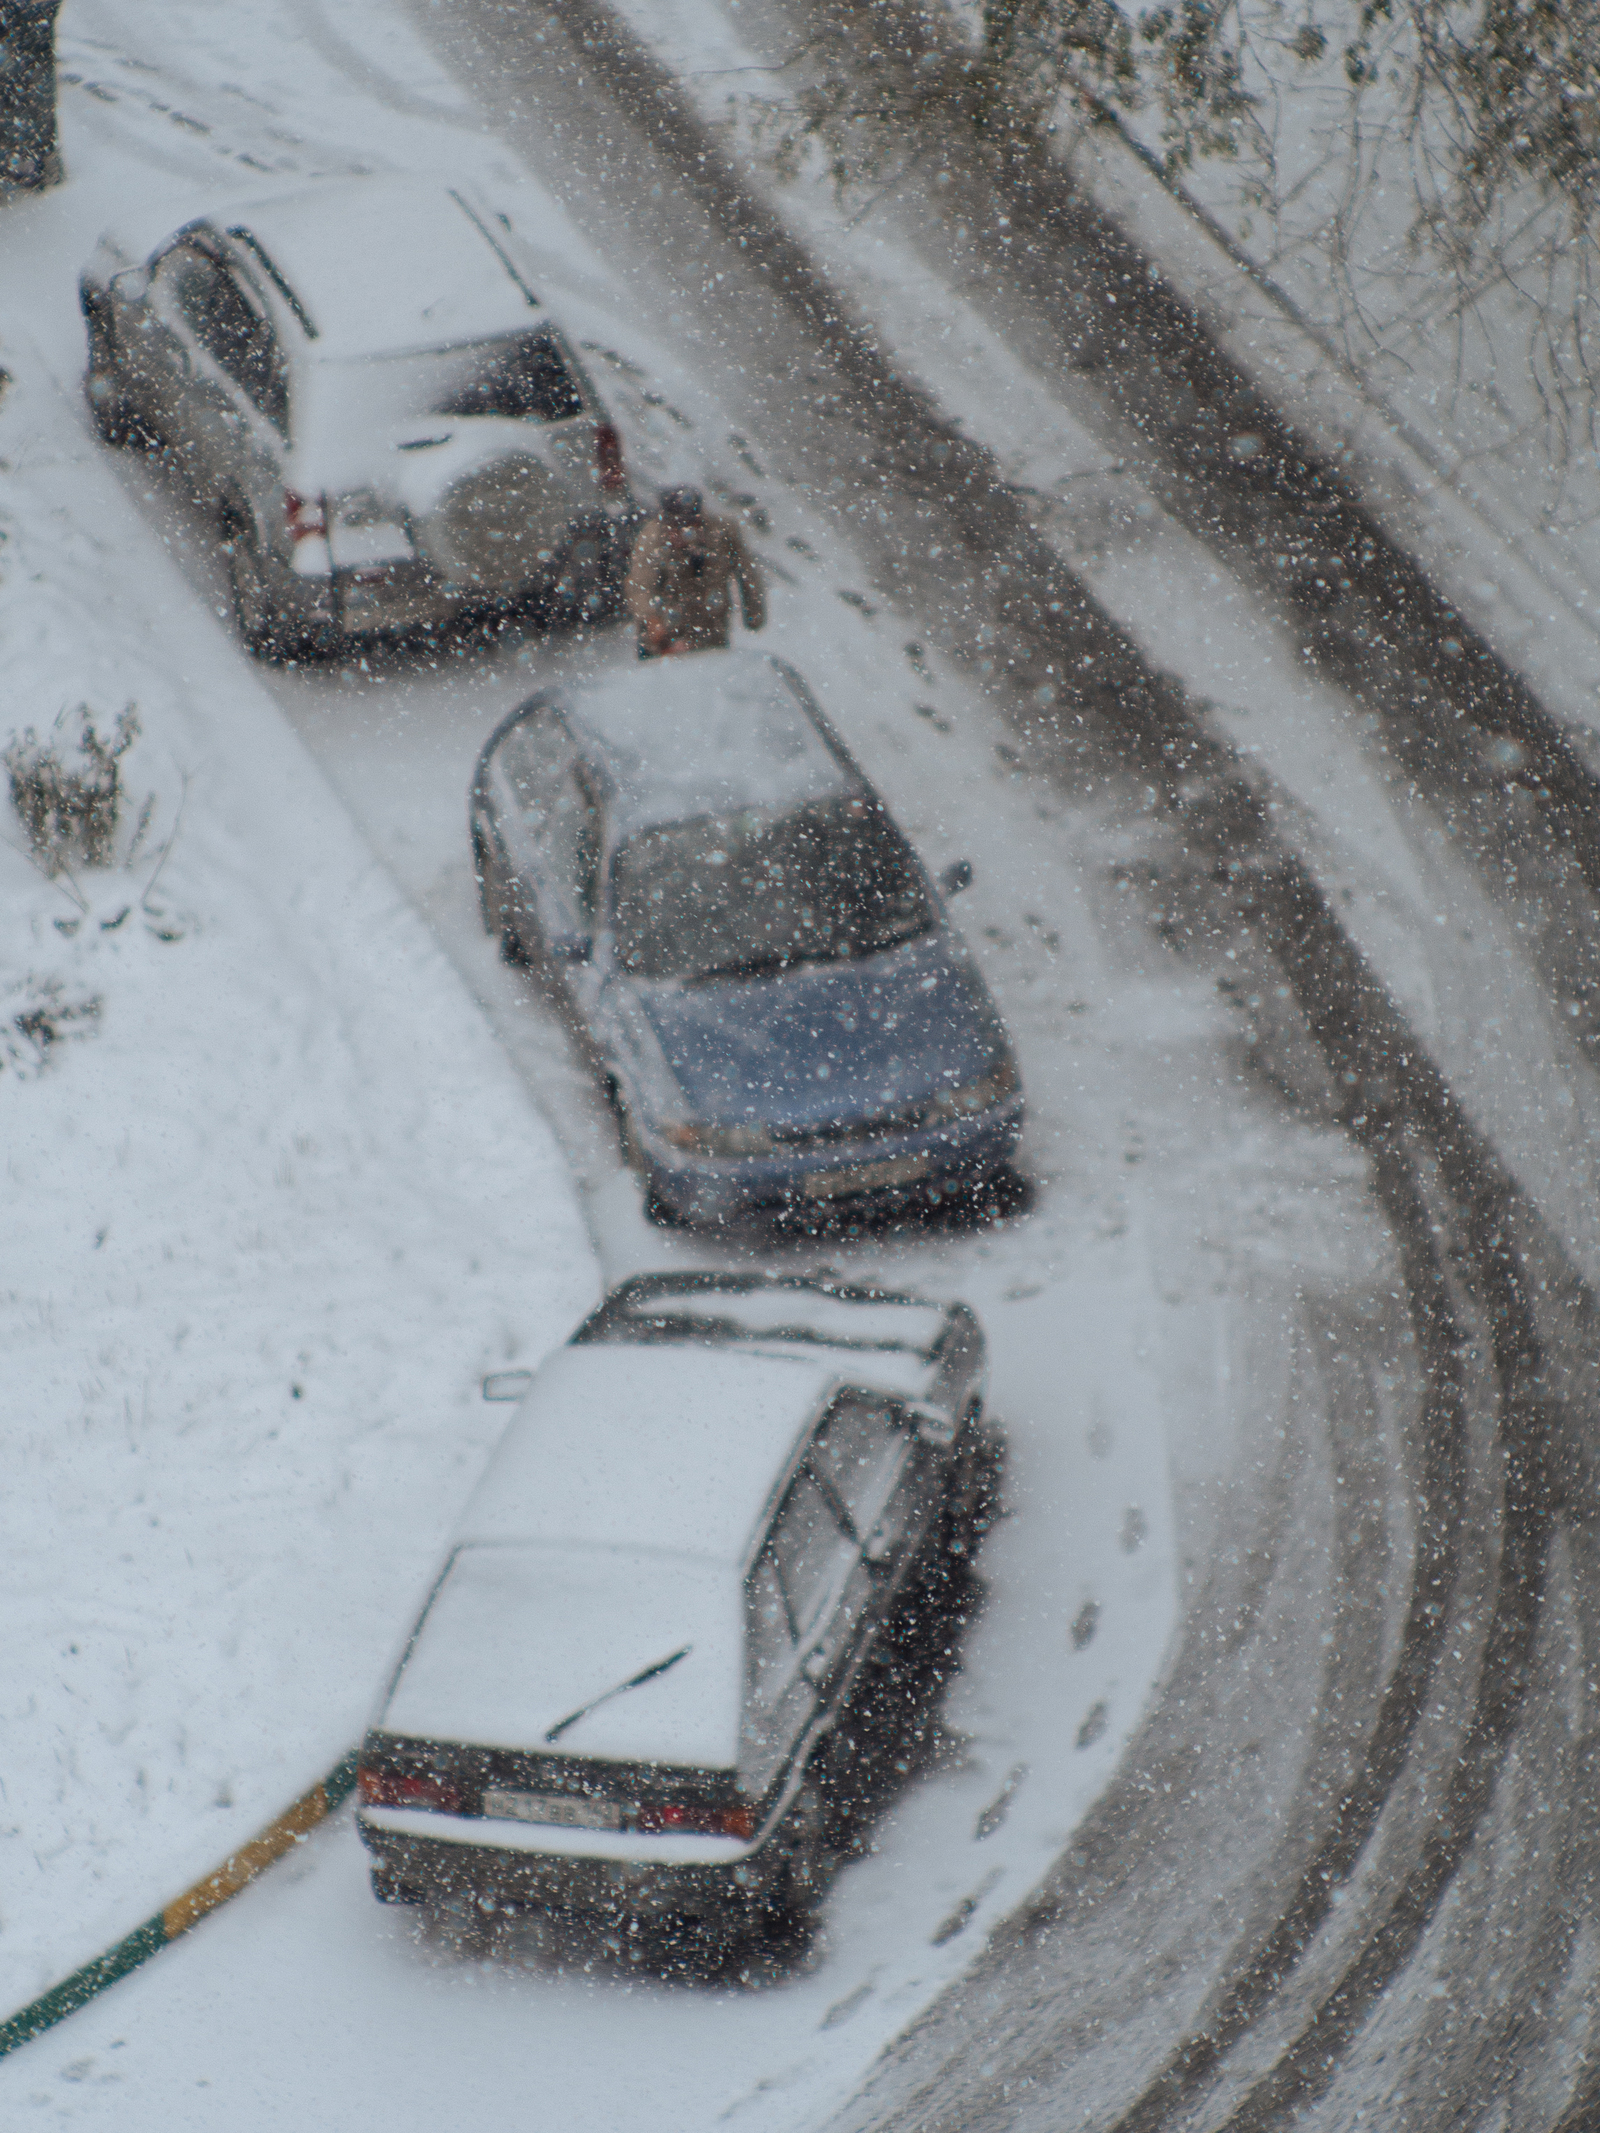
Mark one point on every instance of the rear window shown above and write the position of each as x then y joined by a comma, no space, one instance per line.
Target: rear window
661,1310
525,377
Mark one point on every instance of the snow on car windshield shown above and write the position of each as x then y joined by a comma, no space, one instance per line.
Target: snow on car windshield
524,377
734,895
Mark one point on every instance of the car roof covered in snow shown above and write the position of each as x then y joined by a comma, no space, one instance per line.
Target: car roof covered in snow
631,1446
384,266
705,736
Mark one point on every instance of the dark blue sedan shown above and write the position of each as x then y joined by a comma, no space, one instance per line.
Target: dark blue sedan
757,960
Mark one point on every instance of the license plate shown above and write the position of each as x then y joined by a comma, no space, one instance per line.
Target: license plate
864,1177
561,1810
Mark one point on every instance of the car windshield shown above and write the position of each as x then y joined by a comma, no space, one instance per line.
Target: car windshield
524,377
736,895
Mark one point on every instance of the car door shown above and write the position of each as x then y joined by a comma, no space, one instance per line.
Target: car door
884,1484
508,817
578,842
779,1699
237,375
548,827
818,1556
794,1597
253,372
162,354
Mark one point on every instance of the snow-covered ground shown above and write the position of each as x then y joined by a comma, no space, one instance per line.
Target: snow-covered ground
1176,1211
273,1201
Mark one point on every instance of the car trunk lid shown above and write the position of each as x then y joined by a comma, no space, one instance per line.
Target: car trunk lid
602,1654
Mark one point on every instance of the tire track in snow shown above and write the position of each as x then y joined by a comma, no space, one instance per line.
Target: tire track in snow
917,469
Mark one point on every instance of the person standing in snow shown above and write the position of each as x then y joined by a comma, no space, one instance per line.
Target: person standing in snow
679,589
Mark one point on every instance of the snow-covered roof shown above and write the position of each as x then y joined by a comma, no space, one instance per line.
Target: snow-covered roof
704,736
520,1638
383,266
631,1446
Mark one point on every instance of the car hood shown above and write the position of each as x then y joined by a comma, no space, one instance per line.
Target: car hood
829,1042
517,1639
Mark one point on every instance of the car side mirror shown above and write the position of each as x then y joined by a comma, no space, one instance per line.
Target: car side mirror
507,1384
934,1425
956,877
131,286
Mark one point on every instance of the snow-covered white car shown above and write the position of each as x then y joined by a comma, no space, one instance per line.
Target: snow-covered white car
361,385
707,1510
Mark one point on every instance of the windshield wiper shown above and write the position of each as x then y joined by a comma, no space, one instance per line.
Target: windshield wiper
756,966
634,1681
842,950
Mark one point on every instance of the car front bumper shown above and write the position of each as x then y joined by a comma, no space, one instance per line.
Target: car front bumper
442,1870
960,1153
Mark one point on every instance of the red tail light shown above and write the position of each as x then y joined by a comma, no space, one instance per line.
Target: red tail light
701,1821
608,456
307,516
379,1788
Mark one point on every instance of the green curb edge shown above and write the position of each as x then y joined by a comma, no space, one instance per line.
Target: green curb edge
236,1872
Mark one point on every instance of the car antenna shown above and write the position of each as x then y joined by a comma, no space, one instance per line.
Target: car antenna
634,1681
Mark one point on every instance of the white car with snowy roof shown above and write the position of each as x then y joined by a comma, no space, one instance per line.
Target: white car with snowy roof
706,1513
361,384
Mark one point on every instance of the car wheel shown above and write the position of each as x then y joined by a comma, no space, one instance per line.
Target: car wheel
252,609
656,1209
557,606
972,1499
627,1133
494,903
587,589
388,1890
266,631
798,1887
111,410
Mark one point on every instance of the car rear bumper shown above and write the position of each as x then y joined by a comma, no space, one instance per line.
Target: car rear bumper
943,1158
393,598
442,1871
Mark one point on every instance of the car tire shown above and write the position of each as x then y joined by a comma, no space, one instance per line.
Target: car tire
586,591
104,388
656,1209
972,1500
798,1887
493,903
267,633
388,1890
111,411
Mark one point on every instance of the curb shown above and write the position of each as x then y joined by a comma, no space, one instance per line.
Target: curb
236,1872
1509,582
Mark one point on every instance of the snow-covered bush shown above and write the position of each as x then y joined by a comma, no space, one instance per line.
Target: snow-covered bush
69,800
1421,177
35,1015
